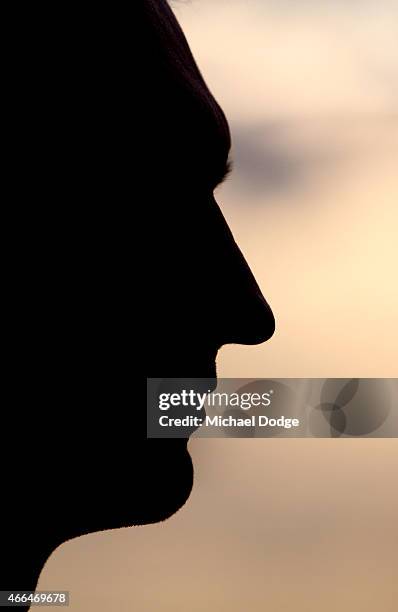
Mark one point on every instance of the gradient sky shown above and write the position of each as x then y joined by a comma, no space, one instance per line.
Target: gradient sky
311,93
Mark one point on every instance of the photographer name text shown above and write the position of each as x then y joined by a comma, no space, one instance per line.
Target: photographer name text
229,421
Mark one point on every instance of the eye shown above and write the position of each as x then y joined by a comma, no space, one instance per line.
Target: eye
226,172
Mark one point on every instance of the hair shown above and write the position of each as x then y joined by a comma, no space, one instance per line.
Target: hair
169,47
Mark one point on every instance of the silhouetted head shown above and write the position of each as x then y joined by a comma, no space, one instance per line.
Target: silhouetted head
125,133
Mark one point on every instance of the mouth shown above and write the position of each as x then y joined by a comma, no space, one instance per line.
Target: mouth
197,389
183,396
203,386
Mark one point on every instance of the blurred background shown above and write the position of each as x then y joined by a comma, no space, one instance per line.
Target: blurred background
310,88
311,92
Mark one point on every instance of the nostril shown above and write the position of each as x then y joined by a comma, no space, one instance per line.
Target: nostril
252,323
269,329
259,324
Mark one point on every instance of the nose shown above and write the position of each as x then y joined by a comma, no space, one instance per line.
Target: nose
248,318
243,315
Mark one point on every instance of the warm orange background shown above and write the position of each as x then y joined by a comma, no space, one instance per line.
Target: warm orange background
310,89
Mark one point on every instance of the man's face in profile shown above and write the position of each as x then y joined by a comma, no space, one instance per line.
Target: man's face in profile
202,294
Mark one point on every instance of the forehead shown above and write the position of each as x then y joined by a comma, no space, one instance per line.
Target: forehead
190,127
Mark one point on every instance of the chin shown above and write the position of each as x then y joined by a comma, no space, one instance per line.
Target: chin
148,486
168,487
